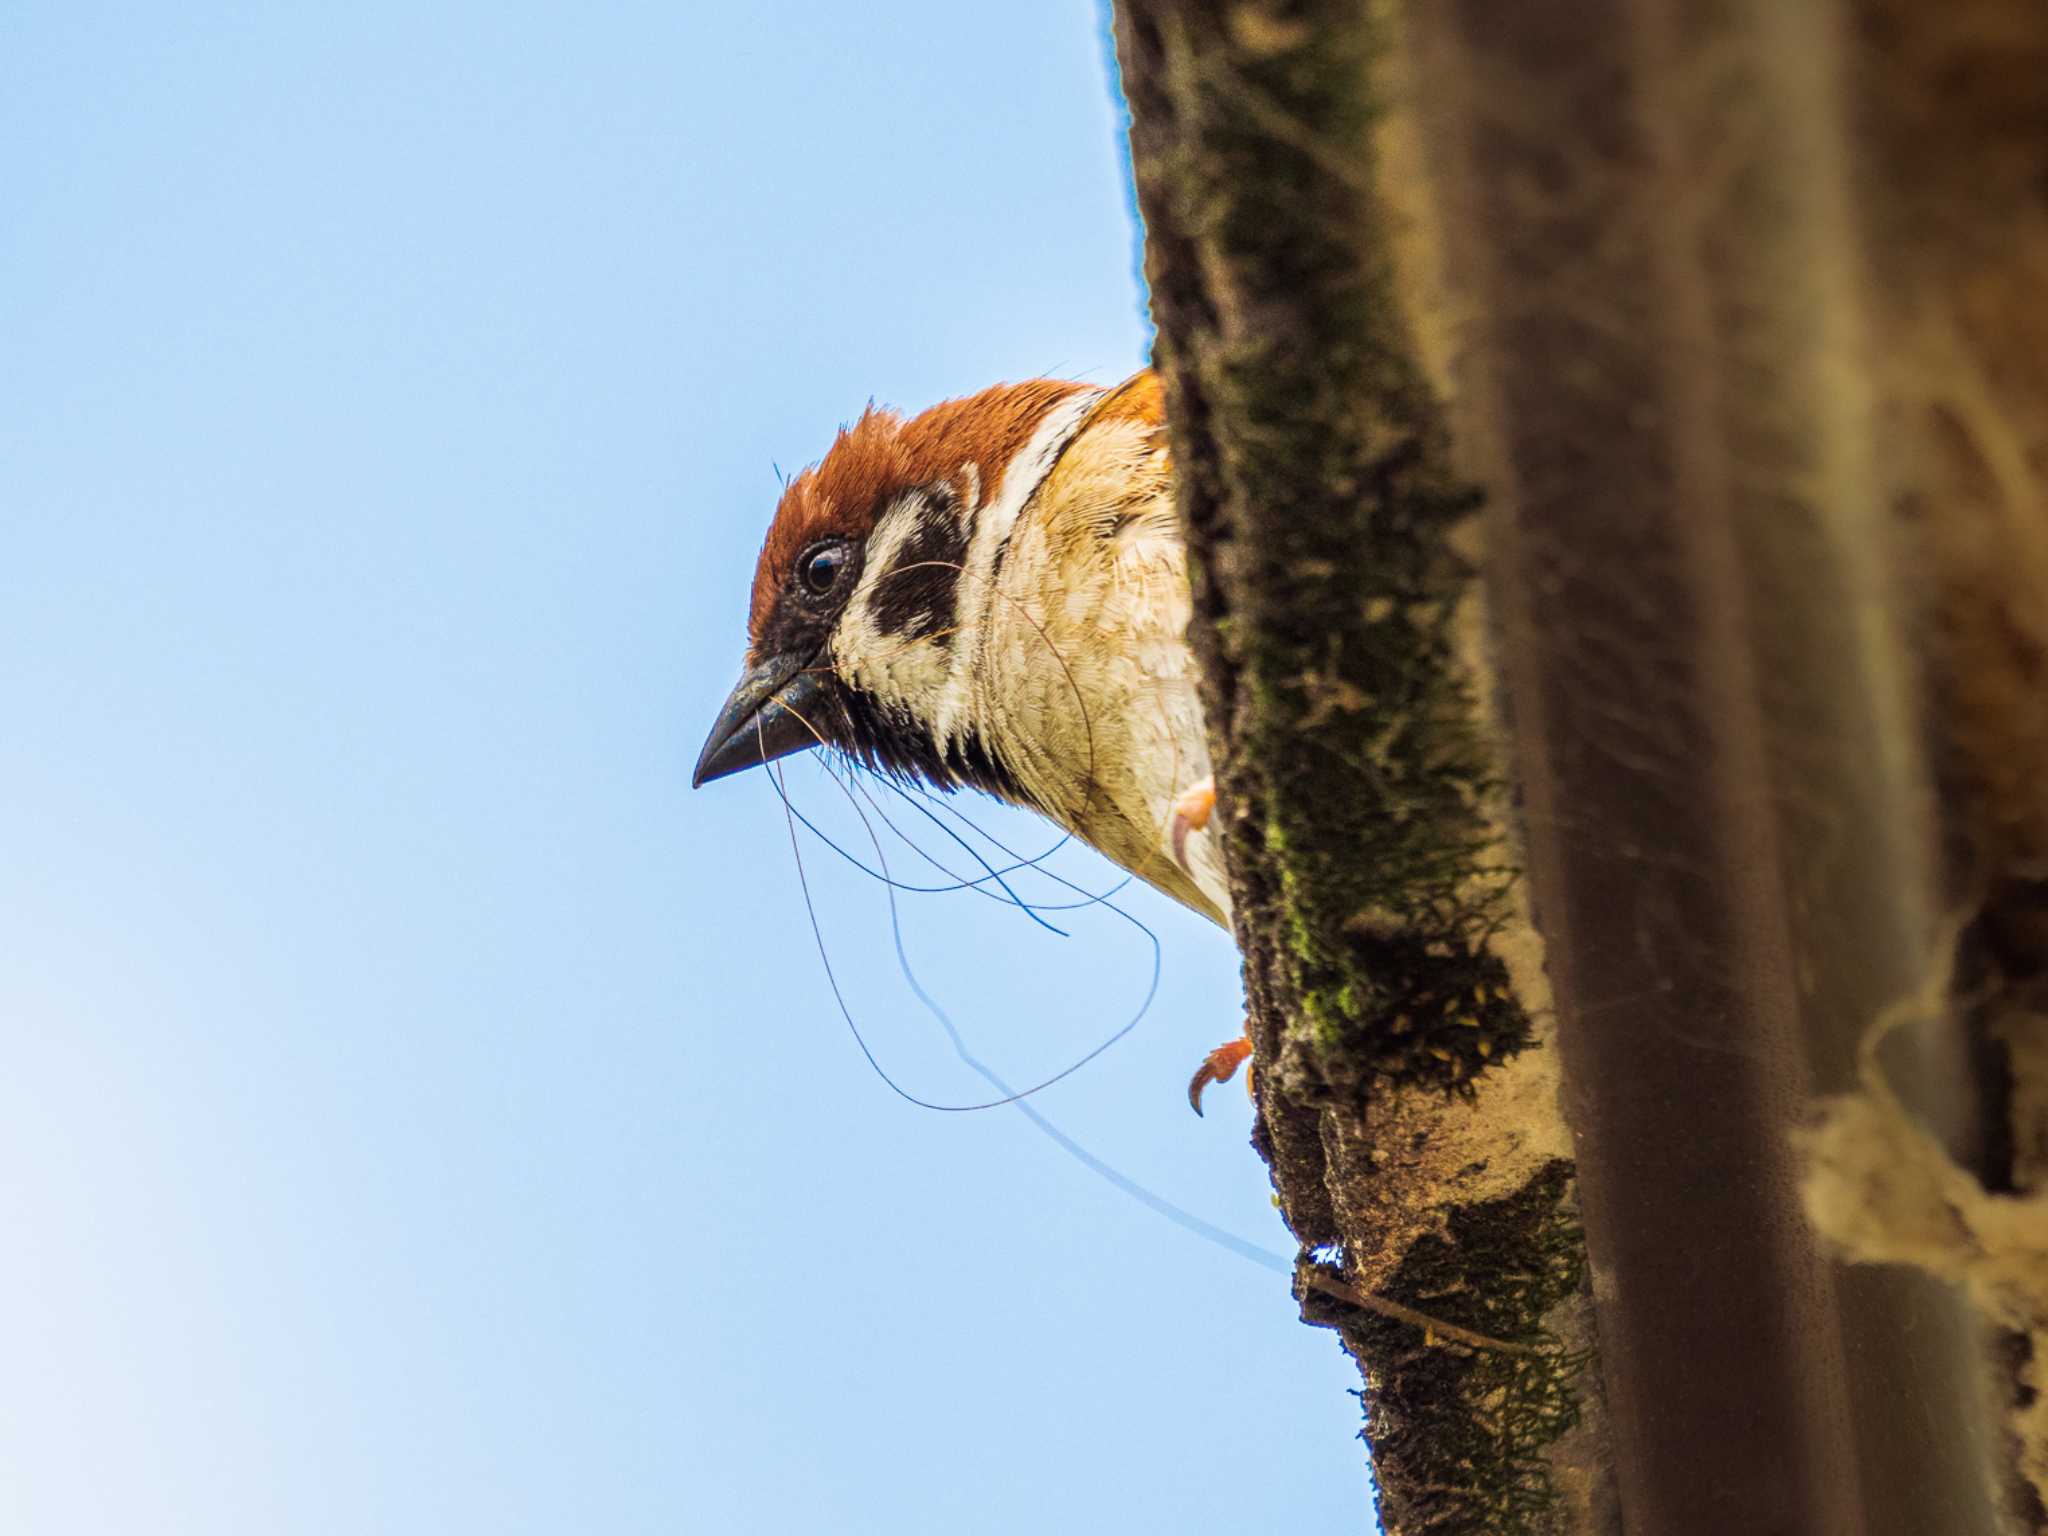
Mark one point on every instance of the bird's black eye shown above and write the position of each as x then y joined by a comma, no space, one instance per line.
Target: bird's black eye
822,567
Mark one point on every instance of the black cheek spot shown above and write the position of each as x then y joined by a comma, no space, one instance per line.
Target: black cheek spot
918,596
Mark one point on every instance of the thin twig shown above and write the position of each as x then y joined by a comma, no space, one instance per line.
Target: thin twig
1432,1328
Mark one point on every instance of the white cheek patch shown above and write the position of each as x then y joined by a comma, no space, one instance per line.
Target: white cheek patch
931,675
888,665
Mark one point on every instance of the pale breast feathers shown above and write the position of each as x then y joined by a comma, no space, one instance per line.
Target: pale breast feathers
1090,686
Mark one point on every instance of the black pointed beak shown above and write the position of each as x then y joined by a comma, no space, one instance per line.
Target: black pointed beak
763,719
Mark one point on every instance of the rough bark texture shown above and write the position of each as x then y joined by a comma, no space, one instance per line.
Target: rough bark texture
1406,1077
1740,309
1646,216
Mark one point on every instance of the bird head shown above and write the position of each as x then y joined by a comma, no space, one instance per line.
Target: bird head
872,582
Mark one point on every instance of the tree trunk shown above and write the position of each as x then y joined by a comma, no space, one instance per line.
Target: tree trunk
1407,1072
1738,312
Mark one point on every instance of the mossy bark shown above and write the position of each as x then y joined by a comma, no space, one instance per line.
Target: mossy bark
1406,1076
1740,313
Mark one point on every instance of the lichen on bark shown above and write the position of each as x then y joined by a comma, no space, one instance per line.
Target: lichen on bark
1406,1081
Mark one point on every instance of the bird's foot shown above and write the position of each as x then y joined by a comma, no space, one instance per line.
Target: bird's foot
1191,813
1220,1066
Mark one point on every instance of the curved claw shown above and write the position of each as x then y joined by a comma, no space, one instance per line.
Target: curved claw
1220,1066
1191,813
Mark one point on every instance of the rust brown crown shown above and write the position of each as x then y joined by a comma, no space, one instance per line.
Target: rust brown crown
883,455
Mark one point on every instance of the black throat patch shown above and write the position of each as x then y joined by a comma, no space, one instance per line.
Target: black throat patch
889,741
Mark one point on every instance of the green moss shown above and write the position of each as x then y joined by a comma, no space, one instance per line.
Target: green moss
1356,740
1315,482
1461,1432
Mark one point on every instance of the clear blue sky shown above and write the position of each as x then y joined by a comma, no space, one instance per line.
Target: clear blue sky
419,1111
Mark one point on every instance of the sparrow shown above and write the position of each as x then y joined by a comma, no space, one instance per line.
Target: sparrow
993,594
